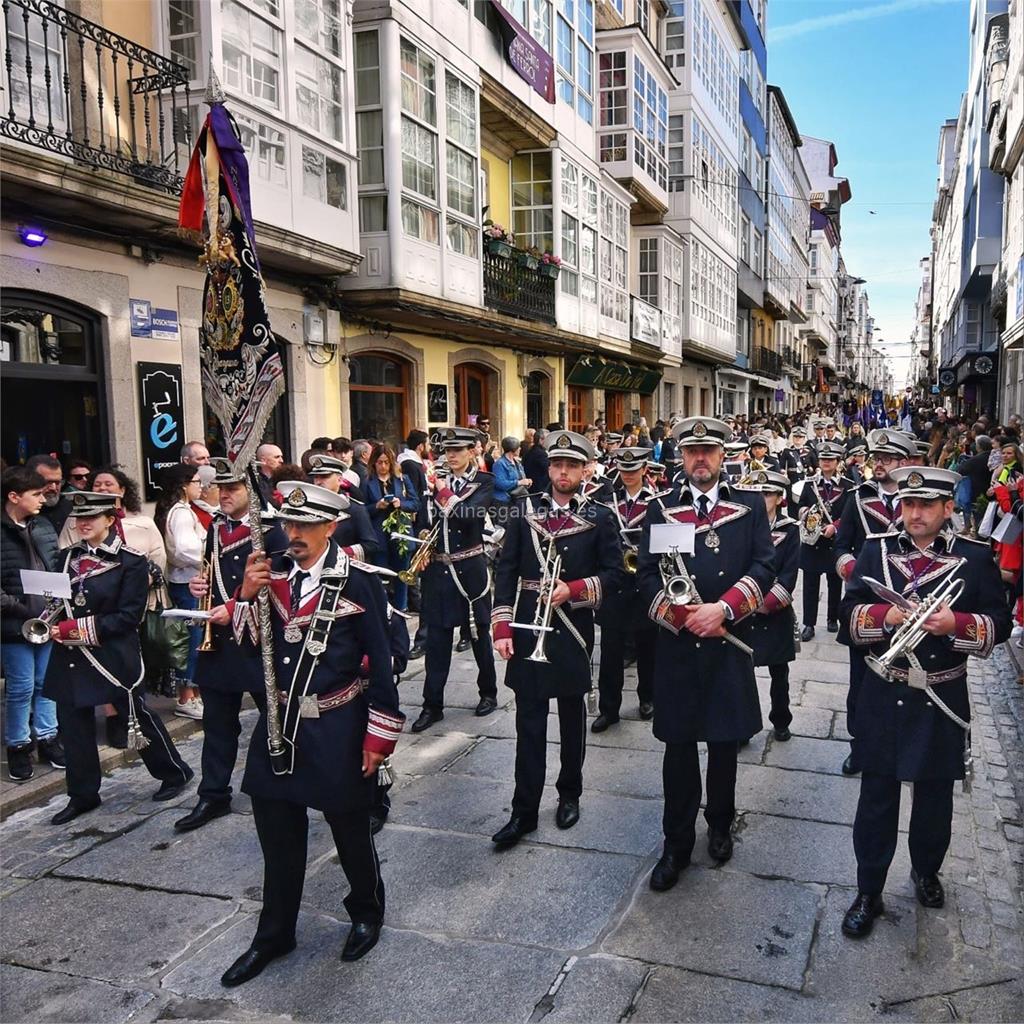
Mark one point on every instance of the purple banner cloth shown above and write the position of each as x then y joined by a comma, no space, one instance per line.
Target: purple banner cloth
530,60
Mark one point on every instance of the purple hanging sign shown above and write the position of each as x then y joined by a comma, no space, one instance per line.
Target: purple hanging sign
530,60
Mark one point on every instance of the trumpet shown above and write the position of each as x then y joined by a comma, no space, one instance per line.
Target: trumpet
541,624
37,631
629,561
911,631
205,604
427,541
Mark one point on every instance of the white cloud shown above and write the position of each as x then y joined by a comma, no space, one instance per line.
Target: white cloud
806,26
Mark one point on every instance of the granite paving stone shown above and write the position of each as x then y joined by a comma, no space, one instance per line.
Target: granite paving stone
47,997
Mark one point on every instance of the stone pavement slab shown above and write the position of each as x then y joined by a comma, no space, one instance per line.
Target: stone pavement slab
106,932
594,988
796,794
723,923
808,755
47,997
409,977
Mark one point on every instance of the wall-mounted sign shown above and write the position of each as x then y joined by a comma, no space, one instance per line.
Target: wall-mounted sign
437,403
531,62
615,377
161,420
141,313
165,325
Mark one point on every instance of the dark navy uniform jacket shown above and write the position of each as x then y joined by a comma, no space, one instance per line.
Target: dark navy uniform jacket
587,539
462,529
623,608
821,557
115,585
772,634
797,462
354,533
328,749
704,689
900,731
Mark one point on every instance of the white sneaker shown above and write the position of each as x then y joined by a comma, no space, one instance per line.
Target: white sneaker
190,709
1017,631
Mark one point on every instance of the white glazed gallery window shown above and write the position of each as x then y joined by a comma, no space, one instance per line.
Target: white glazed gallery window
570,186
675,34
574,55
648,276
420,216
419,84
265,148
532,201
588,199
373,203
569,239
613,258
757,252
672,280
319,22
319,93
614,89
252,53
650,122
745,239
183,33
676,153
588,264
461,230
324,179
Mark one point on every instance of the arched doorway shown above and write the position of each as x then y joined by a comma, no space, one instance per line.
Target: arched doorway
473,384
379,397
52,393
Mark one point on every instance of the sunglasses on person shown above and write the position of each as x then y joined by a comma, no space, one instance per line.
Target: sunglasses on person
79,476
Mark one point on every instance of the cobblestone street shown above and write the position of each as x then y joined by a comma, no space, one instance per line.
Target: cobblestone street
115,917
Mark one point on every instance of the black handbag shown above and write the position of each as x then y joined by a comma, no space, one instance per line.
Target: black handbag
165,642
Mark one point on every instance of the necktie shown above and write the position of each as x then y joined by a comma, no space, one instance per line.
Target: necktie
297,580
889,500
704,503
457,485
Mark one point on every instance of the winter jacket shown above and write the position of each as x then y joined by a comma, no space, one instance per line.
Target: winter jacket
33,546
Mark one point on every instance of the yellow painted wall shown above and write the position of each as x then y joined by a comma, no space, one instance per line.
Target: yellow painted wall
130,18
763,328
498,180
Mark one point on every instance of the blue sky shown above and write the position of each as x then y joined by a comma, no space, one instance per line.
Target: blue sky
877,78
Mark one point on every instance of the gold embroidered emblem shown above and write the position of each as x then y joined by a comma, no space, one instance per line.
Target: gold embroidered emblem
915,480
564,441
297,498
700,429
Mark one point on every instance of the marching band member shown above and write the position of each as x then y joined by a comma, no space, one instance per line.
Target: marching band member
226,671
760,453
822,499
704,688
327,617
818,439
773,635
456,581
913,715
856,455
870,510
621,614
798,460
595,487
570,546
97,658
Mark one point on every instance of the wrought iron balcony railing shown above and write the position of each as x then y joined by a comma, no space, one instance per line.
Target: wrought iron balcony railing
518,290
79,90
764,360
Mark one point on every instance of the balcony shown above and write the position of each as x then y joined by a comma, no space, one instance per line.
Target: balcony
79,91
764,360
790,357
513,288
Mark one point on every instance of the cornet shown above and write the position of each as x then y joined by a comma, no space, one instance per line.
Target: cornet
541,624
37,631
205,604
427,541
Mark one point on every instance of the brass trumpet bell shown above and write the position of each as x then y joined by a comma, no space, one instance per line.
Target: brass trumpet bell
629,561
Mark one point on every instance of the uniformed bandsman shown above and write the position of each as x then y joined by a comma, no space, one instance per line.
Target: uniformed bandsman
595,487
818,439
97,658
226,671
856,455
922,449
621,615
822,498
556,523
704,688
456,582
354,532
760,453
914,713
798,460
327,617
870,510
773,635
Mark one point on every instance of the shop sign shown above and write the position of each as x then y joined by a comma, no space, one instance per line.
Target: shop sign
780,395
437,403
165,325
530,61
614,377
161,421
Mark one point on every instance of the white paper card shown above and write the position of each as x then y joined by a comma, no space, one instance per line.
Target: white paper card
45,584
185,613
667,537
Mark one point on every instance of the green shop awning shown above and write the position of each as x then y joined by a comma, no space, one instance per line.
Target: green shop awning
614,376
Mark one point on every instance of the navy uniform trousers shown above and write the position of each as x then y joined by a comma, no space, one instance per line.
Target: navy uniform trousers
78,730
682,783
812,589
611,674
532,746
221,729
439,661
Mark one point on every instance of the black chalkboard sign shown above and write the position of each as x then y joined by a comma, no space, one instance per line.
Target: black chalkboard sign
437,403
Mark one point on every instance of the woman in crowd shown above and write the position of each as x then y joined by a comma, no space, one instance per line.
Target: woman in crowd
508,475
184,538
388,491
140,533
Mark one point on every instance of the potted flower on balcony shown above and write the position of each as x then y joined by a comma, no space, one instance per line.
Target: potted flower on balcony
550,265
528,258
497,240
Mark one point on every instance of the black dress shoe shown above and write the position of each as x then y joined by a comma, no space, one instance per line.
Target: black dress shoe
361,939
249,964
833,626
929,890
428,716
377,823
204,811
486,706
416,651
462,645
169,788
666,871
850,767
860,918
602,722
511,833
719,845
568,813
783,735
646,710
73,810
807,633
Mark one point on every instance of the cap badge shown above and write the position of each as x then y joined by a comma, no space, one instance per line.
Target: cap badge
564,441
700,429
449,434
317,462
80,499
915,480
762,478
297,498
883,438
